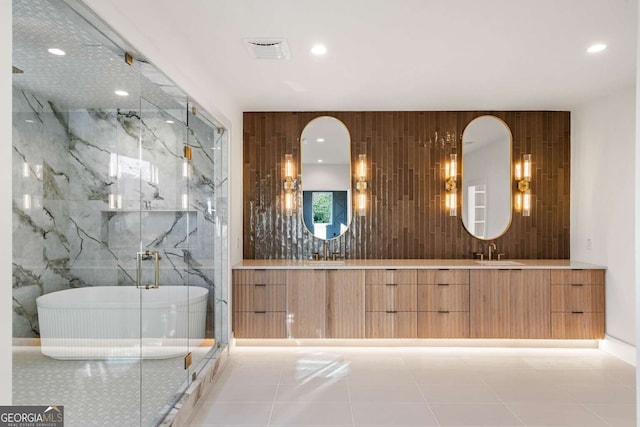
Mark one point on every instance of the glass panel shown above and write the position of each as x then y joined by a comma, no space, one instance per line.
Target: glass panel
76,168
167,226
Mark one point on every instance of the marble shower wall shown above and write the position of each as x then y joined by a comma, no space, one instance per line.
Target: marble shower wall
87,197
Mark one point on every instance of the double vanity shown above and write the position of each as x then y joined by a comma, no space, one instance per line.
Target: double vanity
506,299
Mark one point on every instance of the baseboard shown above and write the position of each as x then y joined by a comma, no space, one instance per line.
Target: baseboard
620,349
413,342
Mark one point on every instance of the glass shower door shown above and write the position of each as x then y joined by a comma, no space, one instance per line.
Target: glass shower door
167,226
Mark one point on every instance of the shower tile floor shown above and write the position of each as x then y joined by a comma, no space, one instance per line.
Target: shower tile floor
341,386
100,392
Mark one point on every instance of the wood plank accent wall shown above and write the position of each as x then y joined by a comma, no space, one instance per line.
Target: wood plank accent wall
406,217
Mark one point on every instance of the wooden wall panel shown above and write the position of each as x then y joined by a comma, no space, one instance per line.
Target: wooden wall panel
406,217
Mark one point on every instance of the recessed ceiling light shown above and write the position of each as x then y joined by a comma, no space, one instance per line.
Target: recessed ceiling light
595,48
320,160
169,121
320,140
121,93
56,51
319,49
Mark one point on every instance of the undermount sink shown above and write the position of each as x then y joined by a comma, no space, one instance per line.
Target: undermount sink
499,262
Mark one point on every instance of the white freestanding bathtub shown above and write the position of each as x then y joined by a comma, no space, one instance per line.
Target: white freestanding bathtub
104,322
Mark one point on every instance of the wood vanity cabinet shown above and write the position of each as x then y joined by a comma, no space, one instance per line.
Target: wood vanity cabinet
577,304
259,303
419,303
510,304
345,304
443,303
391,303
306,303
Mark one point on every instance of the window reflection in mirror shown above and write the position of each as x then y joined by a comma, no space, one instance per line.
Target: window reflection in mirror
486,177
326,177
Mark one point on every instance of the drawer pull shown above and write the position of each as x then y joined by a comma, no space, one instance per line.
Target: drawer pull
577,284
392,284
391,311
443,284
259,312
260,284
443,311
577,312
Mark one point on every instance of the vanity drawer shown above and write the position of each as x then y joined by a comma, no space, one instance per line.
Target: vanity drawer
259,277
443,277
390,277
390,297
577,277
577,325
259,325
443,297
445,324
391,324
259,297
569,298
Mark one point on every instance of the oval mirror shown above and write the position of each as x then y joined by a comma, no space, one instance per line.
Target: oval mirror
325,145
486,177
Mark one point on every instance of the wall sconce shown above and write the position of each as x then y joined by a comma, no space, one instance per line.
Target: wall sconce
522,174
361,185
289,185
450,174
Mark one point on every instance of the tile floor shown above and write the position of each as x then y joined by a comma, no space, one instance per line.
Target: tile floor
101,393
342,386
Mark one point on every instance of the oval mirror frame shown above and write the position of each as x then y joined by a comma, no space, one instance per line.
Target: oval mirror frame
325,175
487,198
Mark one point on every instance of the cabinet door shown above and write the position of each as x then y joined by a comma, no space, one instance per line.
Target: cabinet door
306,307
489,304
259,324
259,297
530,304
443,324
443,297
577,297
345,304
391,324
578,325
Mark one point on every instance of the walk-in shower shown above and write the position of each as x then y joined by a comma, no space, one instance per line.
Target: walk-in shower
119,224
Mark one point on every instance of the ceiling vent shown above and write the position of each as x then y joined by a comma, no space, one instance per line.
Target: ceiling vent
268,48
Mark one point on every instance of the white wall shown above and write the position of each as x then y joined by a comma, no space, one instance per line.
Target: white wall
603,200
5,210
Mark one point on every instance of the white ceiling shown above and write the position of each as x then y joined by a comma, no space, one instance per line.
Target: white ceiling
398,54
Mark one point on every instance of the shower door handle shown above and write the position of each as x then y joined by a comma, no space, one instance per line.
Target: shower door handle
143,256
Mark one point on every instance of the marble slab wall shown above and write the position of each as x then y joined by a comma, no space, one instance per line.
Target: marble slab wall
93,187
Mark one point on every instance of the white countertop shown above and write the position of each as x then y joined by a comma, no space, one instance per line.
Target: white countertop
452,264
